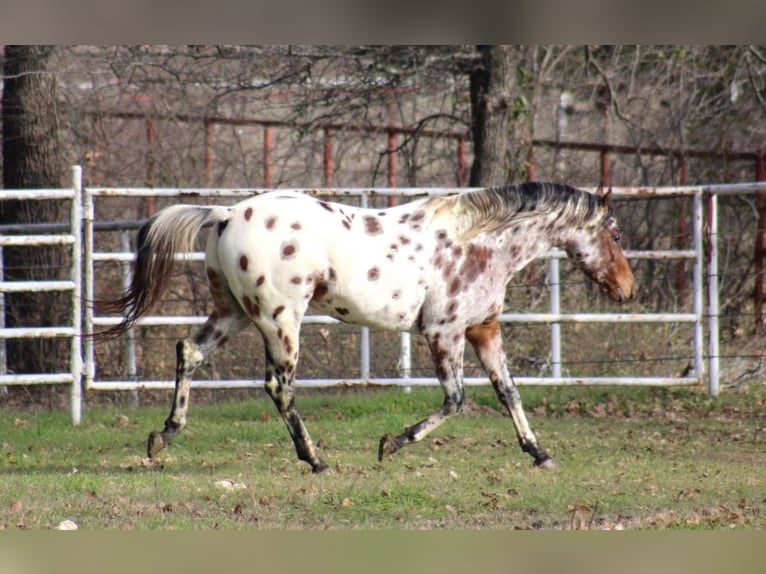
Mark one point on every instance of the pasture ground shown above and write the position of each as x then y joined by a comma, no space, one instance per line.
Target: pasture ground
628,458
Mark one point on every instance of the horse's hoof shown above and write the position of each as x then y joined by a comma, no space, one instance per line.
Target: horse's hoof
319,467
155,444
388,445
546,463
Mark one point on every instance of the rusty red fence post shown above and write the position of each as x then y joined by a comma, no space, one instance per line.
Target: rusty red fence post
151,139
209,125
531,166
327,163
392,166
268,145
604,167
682,235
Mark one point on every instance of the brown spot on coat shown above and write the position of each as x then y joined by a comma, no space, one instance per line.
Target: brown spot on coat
476,262
326,205
260,280
243,262
296,280
248,213
342,311
372,225
296,226
289,249
271,221
277,311
454,286
251,308
373,274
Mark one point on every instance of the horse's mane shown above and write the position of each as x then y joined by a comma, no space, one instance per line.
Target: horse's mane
495,207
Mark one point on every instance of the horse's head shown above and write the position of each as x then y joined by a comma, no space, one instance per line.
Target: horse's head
597,250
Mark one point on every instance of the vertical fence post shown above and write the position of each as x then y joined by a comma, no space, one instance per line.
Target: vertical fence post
699,218
151,139
90,286
364,332
605,168
268,145
712,287
130,336
759,250
327,163
554,282
3,356
209,125
405,340
682,231
76,363
391,149
531,166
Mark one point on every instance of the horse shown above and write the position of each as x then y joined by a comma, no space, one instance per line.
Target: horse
438,265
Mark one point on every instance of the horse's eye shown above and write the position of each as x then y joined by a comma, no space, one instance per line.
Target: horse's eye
616,237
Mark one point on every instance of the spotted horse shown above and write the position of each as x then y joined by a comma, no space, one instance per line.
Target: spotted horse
438,265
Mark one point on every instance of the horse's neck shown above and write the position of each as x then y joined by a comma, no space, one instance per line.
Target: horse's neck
529,238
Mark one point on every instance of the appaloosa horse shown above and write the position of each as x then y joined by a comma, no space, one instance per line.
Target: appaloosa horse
439,265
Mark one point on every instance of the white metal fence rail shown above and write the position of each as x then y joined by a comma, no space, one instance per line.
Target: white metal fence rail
83,373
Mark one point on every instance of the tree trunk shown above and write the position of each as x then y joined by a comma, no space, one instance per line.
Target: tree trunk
31,160
491,84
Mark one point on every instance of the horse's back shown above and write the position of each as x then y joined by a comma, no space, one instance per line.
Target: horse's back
354,264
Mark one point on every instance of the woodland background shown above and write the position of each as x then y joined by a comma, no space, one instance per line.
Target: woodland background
211,116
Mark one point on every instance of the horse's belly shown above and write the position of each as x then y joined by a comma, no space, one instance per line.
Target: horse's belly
387,313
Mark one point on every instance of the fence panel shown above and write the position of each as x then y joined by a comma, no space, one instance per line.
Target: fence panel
79,234
71,235
554,318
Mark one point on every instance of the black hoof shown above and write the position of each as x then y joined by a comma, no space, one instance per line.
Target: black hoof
388,445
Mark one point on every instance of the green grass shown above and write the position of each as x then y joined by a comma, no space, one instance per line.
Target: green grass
628,458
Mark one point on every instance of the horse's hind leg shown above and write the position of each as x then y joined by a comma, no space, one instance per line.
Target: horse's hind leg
281,342
222,323
487,342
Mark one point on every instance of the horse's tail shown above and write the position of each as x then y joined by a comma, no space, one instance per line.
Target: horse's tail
170,231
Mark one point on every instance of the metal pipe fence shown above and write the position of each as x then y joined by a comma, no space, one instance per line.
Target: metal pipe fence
83,375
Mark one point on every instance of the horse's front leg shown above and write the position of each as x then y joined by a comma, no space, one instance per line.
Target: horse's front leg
447,354
190,353
281,359
487,342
